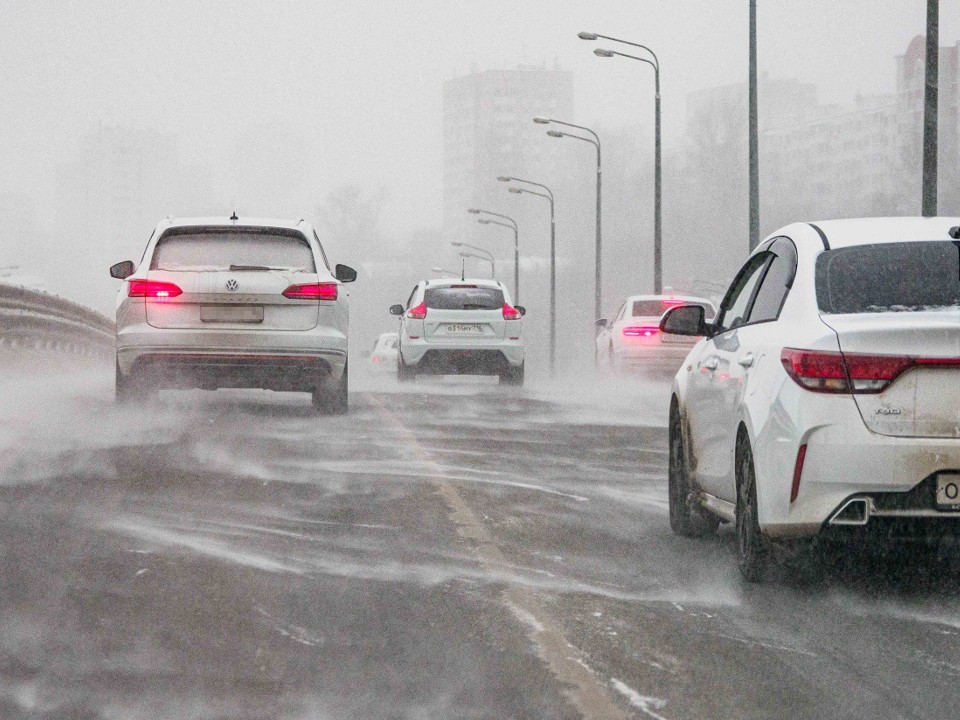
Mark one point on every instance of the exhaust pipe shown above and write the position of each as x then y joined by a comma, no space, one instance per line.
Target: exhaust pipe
855,511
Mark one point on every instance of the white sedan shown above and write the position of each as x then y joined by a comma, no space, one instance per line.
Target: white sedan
233,303
460,327
825,397
632,340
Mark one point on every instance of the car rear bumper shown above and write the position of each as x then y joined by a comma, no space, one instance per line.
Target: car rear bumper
427,355
654,357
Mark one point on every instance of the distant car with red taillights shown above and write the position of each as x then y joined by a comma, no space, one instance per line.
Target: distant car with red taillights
632,341
384,355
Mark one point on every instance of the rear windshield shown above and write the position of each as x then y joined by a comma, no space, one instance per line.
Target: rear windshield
894,277
230,249
656,308
463,297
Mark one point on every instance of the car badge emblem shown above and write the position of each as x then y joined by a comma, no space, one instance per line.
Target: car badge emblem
232,284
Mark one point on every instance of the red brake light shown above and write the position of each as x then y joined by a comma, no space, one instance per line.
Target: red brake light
641,330
417,313
835,372
153,289
671,303
510,313
312,291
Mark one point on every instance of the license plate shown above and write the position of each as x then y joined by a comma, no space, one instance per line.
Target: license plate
231,313
462,329
948,491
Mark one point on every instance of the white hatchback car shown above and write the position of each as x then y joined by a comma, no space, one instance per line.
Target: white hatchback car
825,398
460,327
233,303
632,341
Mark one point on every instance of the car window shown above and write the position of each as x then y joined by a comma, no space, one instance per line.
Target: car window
649,308
413,294
892,277
464,297
773,288
216,249
323,253
736,304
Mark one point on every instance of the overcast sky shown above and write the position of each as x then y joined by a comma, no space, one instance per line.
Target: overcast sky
360,80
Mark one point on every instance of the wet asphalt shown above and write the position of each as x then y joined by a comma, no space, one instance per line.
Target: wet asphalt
446,550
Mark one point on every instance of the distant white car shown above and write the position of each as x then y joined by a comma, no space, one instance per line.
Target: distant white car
233,303
460,327
825,397
632,342
384,355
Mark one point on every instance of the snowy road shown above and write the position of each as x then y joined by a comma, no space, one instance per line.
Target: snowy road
448,551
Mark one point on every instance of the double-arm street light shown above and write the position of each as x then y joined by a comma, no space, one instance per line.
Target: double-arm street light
487,255
596,143
516,243
444,271
657,219
553,255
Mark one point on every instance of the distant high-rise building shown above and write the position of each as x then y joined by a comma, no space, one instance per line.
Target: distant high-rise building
487,131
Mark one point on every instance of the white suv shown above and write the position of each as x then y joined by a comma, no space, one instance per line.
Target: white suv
460,327
825,397
233,303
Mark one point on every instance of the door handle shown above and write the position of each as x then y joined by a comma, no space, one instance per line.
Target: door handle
710,364
746,360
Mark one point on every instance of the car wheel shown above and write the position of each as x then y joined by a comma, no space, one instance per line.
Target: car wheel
513,376
753,556
333,398
686,520
405,373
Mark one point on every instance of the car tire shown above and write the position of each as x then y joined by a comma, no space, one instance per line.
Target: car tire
753,552
333,398
513,376
405,373
685,519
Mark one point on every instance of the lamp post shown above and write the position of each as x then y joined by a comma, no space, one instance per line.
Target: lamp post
657,175
487,255
444,271
553,256
516,243
596,143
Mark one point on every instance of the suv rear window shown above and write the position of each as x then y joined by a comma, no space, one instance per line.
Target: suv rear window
232,249
894,277
463,297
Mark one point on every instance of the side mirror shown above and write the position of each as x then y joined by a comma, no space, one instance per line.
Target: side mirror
122,270
520,309
685,320
345,273
396,309
602,323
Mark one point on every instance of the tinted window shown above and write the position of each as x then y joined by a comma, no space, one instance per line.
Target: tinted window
649,308
225,249
894,277
463,297
736,304
773,288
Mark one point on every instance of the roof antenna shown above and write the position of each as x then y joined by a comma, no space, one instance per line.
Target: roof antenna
234,216
463,269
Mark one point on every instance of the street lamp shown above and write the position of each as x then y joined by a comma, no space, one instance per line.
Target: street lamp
516,243
596,143
487,255
553,255
657,191
444,271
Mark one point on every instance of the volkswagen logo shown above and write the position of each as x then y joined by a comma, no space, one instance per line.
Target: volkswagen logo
232,284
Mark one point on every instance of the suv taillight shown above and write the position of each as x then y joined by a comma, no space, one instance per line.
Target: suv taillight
312,291
153,289
510,313
417,313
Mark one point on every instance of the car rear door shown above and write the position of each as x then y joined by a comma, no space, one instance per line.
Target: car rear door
220,279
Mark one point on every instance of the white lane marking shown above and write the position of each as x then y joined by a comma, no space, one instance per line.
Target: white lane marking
590,697
648,705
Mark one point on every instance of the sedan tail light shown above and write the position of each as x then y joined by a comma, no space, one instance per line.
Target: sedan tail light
641,330
510,312
417,313
153,289
312,291
835,372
